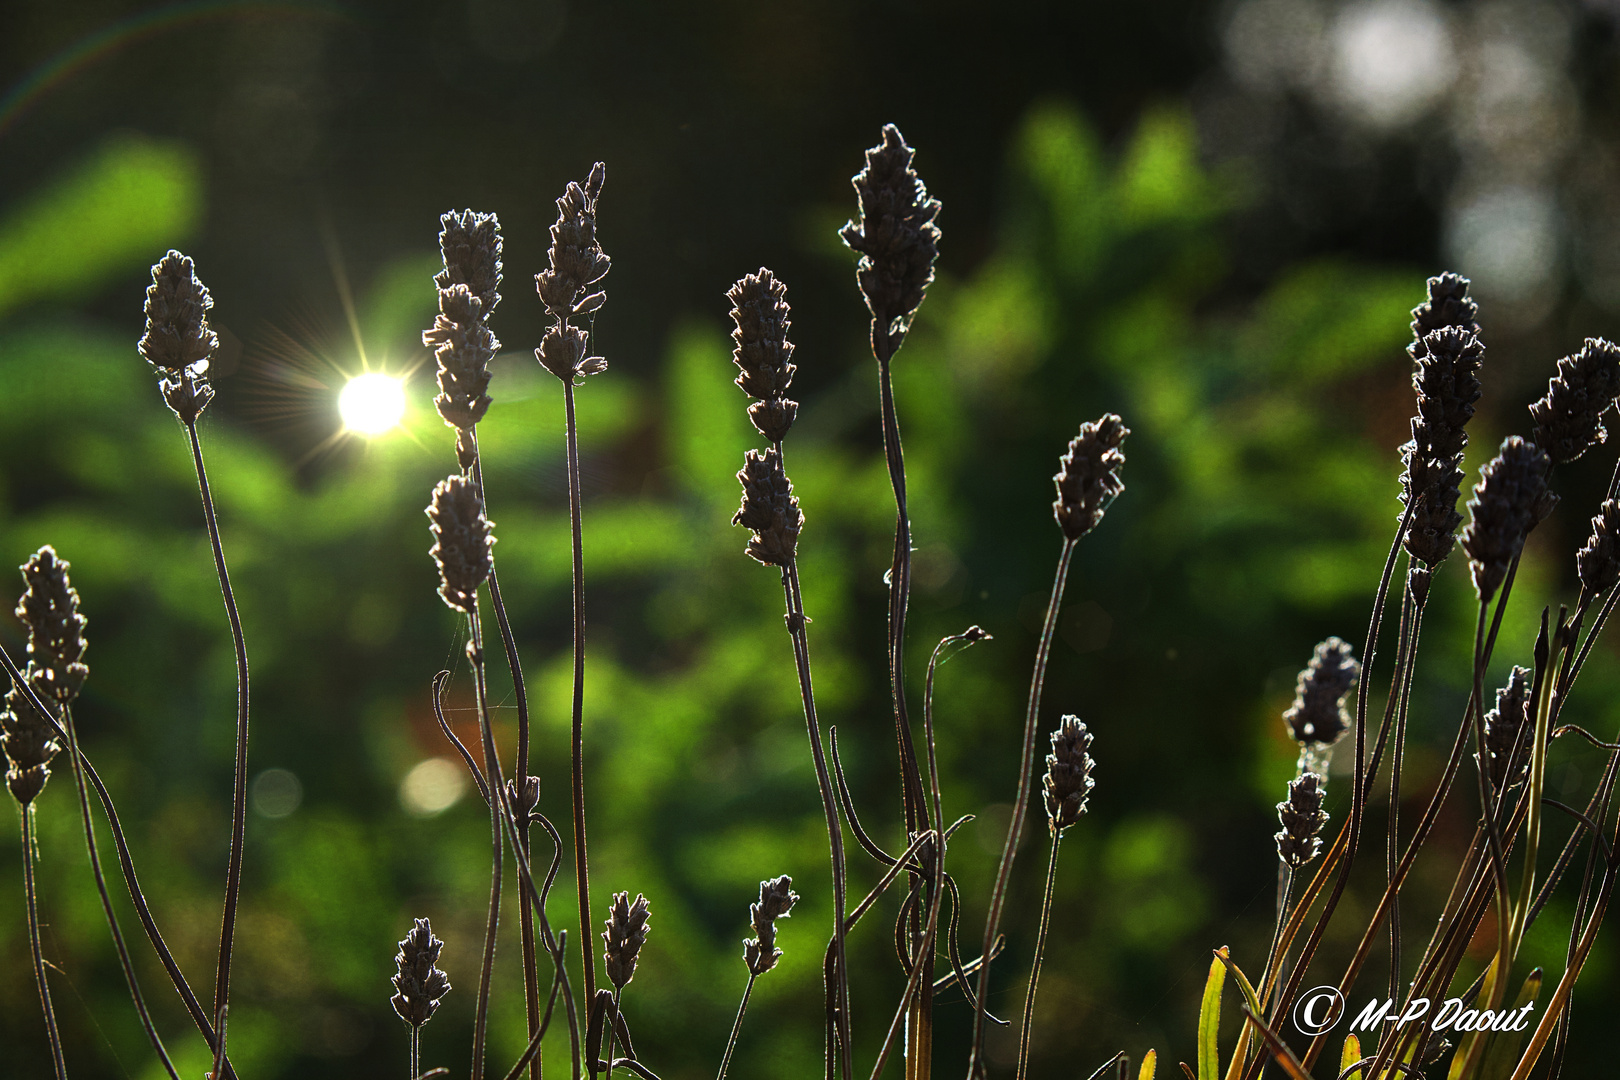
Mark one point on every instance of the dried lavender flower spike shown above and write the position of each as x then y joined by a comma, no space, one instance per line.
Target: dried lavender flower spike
1568,417
420,984
1302,817
1088,475
1503,725
1598,563
49,607
178,341
896,238
1510,499
470,244
625,934
762,351
769,508
462,541
1319,717
1068,774
464,347
28,742
1446,380
776,900
1448,305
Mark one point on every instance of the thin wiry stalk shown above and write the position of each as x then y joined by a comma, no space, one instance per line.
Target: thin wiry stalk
559,979
531,974
1404,676
581,862
1040,948
1015,828
126,863
613,1027
915,807
731,1043
492,768
106,899
1358,800
233,872
416,1051
31,893
502,811
1431,815
838,991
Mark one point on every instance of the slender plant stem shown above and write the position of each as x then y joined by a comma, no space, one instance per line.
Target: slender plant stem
1403,687
736,1026
612,1024
126,864
1361,782
913,801
233,872
582,879
492,767
416,1051
31,892
531,974
1040,949
106,899
838,990
1015,828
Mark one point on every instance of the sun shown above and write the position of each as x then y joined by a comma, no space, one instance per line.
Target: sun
372,404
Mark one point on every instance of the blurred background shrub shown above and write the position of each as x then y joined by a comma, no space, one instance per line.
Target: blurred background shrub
1211,219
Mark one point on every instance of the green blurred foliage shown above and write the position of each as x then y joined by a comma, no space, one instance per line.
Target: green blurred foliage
1261,498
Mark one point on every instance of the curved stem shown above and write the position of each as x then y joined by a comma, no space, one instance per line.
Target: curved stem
233,872
106,899
492,765
126,864
1040,948
838,990
1015,828
520,767
31,891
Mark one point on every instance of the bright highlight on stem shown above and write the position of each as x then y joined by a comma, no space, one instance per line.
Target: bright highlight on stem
372,404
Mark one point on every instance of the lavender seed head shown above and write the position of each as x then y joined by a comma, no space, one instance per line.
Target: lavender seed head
769,508
1598,563
1088,475
462,541
776,900
470,244
1068,781
1448,305
177,335
1510,499
420,984
1568,418
49,607
896,238
28,741
576,258
1503,726
763,352
1318,717
463,346
1302,817
1447,383
178,341
625,934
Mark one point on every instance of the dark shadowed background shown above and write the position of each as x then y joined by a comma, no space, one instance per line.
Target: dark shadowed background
1212,219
